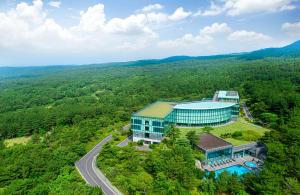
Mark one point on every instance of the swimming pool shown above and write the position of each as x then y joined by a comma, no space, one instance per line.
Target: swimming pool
238,169
251,164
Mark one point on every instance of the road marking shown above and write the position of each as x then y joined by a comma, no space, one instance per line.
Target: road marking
104,178
85,160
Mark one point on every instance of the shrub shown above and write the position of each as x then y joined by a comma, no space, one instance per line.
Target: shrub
237,134
140,142
226,135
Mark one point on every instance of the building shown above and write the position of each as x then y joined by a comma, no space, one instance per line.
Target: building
149,124
203,113
227,96
214,148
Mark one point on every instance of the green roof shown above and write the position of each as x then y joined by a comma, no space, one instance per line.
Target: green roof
156,110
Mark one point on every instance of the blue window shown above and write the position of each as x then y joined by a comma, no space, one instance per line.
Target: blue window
157,130
136,127
137,121
156,123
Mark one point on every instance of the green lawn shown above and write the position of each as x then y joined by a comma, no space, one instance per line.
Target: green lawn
250,130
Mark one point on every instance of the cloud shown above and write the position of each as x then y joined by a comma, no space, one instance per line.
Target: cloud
212,11
205,36
93,19
157,17
245,36
55,4
239,7
215,28
292,29
216,38
152,7
179,14
27,31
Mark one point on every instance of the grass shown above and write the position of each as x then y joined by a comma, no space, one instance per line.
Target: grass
18,140
157,110
249,130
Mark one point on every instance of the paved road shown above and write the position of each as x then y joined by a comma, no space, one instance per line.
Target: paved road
126,141
91,174
247,112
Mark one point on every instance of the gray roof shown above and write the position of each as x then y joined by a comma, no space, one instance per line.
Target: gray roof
228,94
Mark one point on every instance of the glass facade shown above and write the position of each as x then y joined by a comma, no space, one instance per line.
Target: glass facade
202,117
219,154
210,113
148,128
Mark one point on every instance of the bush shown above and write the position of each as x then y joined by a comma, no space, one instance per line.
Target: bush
237,134
226,135
140,142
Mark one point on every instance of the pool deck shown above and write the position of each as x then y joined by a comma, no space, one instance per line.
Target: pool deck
236,161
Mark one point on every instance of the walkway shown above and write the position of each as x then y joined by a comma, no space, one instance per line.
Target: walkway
247,112
90,172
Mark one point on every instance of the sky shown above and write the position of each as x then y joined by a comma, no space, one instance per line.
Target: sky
62,32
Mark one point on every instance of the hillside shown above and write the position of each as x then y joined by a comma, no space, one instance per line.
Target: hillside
67,110
7,73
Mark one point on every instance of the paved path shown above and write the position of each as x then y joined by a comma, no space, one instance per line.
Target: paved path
247,112
126,141
91,174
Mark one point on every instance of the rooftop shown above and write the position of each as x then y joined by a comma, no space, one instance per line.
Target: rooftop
228,94
209,141
157,110
203,105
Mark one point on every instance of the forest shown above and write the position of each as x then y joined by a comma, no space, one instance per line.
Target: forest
67,110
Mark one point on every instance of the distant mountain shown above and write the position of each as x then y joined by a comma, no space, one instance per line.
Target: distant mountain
292,50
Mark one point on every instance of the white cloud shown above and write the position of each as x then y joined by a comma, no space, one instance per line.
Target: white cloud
212,11
55,4
217,38
205,36
152,7
179,14
292,29
187,40
27,31
239,7
134,24
157,17
245,36
215,28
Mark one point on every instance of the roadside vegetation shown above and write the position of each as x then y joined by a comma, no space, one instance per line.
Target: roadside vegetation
81,105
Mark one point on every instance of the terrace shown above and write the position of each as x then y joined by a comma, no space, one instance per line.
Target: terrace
223,156
228,164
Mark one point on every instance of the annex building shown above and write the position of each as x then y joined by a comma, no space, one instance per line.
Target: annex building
149,123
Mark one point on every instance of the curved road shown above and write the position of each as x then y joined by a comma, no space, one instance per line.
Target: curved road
91,174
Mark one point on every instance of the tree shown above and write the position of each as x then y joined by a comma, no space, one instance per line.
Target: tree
172,133
193,138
